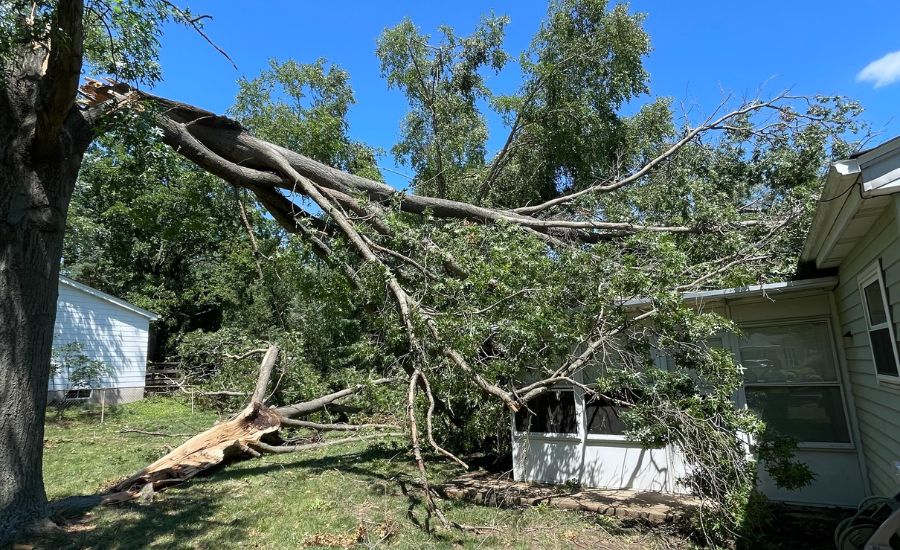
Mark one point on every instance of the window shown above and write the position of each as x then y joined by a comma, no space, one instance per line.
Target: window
812,413
553,412
603,417
790,380
78,394
879,322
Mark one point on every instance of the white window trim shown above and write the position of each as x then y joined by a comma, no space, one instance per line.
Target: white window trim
868,276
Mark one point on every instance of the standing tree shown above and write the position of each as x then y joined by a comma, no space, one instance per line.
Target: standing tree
45,45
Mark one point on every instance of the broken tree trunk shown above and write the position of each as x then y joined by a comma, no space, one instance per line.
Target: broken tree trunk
239,437
223,441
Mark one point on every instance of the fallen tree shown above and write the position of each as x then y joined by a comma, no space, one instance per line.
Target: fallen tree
360,214
246,434
477,294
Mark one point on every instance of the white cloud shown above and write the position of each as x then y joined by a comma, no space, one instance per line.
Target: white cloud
883,71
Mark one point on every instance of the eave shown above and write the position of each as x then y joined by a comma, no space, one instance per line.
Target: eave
855,194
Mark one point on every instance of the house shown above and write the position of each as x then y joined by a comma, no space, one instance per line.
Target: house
820,357
107,329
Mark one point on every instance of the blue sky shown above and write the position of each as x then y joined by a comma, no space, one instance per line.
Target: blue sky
702,49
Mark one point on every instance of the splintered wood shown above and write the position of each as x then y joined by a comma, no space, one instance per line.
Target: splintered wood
229,439
239,437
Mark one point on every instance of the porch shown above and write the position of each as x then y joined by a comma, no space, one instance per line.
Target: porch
795,377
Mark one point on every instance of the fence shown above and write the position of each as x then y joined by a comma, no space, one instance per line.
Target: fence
162,378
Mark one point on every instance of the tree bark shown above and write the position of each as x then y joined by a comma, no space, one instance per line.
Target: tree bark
42,140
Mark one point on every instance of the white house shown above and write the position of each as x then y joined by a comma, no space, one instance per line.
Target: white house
108,329
820,357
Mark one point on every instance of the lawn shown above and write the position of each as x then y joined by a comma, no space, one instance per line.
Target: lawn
354,495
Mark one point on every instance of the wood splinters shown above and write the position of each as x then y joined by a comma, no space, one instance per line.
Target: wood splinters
239,437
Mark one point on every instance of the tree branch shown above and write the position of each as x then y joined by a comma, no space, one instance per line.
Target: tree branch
265,373
648,167
282,449
321,403
294,423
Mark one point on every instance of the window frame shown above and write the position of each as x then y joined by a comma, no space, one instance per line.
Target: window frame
872,274
837,383
579,419
592,436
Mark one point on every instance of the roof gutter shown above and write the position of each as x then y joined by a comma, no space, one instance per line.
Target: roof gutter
767,290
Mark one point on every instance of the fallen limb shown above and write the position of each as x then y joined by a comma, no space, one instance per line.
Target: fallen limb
239,437
280,449
144,432
292,423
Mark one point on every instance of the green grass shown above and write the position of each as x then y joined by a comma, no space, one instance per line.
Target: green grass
357,495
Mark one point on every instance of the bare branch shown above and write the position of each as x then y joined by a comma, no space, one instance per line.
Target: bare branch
322,403
194,22
144,432
265,373
430,428
294,423
282,449
245,355
689,136
254,246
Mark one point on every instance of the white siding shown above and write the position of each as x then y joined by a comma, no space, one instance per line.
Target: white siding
107,332
877,404
609,462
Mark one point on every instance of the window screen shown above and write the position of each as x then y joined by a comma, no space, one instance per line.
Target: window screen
790,381
788,354
603,417
553,412
808,414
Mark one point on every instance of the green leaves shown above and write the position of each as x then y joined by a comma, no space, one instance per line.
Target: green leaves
444,133
304,107
80,370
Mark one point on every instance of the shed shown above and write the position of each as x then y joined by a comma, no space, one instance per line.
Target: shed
107,329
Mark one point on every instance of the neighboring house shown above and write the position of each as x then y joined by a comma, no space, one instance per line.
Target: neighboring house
820,357
109,329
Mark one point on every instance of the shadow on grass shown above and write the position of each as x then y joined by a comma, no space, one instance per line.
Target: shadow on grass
189,515
175,520
382,466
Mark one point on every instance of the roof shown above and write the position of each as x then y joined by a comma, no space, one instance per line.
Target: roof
870,149
767,289
855,194
63,280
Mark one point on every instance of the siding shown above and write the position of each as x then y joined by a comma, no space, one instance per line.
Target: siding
877,405
106,331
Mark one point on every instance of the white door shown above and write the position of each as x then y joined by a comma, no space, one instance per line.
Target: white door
791,380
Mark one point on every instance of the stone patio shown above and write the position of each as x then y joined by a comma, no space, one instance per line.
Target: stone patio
499,490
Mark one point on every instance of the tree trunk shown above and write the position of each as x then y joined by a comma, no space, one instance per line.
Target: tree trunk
43,137
31,238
